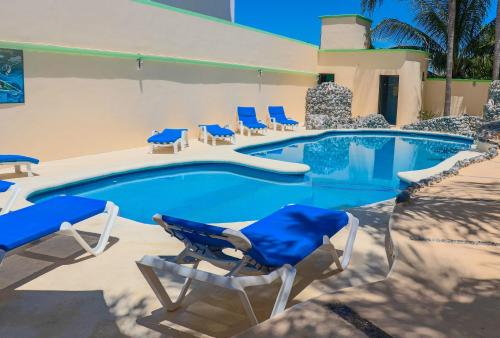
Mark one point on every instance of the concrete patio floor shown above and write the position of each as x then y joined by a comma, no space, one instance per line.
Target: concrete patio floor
446,278
436,288
52,289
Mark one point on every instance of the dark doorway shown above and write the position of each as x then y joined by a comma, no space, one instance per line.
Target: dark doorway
326,78
388,97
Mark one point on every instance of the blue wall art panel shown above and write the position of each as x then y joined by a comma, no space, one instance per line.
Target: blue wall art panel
11,76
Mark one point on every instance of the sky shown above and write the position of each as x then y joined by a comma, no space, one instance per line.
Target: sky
299,18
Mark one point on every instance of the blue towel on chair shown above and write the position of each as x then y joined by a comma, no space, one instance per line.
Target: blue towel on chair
285,237
4,186
39,220
249,118
278,113
167,136
18,158
216,130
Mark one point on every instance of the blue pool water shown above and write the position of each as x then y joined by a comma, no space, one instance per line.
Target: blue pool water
347,170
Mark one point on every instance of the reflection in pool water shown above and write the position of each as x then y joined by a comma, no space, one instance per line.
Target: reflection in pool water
346,170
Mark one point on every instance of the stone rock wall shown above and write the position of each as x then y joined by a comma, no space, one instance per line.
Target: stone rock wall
492,108
328,106
462,125
373,121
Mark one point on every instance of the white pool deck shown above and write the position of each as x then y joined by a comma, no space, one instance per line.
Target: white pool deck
53,289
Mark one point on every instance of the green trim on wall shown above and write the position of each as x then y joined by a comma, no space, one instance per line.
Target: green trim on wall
358,16
458,80
219,20
384,50
158,58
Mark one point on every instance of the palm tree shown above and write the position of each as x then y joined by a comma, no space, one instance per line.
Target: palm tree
496,62
450,53
368,6
430,33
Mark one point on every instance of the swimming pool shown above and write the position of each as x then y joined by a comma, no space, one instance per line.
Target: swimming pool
347,170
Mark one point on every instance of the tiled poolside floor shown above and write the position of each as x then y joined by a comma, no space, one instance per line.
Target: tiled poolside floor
446,280
52,289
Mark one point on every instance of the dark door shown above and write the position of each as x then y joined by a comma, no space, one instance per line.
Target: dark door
388,97
326,78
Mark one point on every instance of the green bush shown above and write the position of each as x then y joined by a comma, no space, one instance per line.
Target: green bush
427,115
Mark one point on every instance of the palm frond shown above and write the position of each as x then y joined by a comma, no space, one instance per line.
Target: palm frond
368,6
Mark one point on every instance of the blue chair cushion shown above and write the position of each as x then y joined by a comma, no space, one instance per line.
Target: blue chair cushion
216,130
278,113
4,186
167,136
248,116
39,220
197,233
18,158
292,233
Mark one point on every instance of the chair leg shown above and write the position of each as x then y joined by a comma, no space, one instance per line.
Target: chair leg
159,290
112,211
287,275
14,193
28,170
327,241
248,307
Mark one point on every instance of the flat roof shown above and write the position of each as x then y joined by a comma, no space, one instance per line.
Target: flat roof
359,16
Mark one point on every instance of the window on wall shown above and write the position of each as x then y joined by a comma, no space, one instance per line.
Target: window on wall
326,78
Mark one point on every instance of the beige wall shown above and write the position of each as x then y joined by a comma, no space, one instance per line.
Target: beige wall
78,105
218,8
360,72
127,26
467,96
344,33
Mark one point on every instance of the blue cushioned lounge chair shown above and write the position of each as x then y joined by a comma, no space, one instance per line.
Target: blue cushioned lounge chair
270,247
61,213
278,118
247,119
13,189
176,138
216,132
17,161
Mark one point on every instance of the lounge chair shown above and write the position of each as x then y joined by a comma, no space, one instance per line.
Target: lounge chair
278,118
61,213
176,138
271,248
14,190
247,119
17,161
216,132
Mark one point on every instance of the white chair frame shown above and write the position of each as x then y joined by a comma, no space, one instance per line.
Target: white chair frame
204,134
17,167
66,228
180,144
283,126
153,266
14,191
242,128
